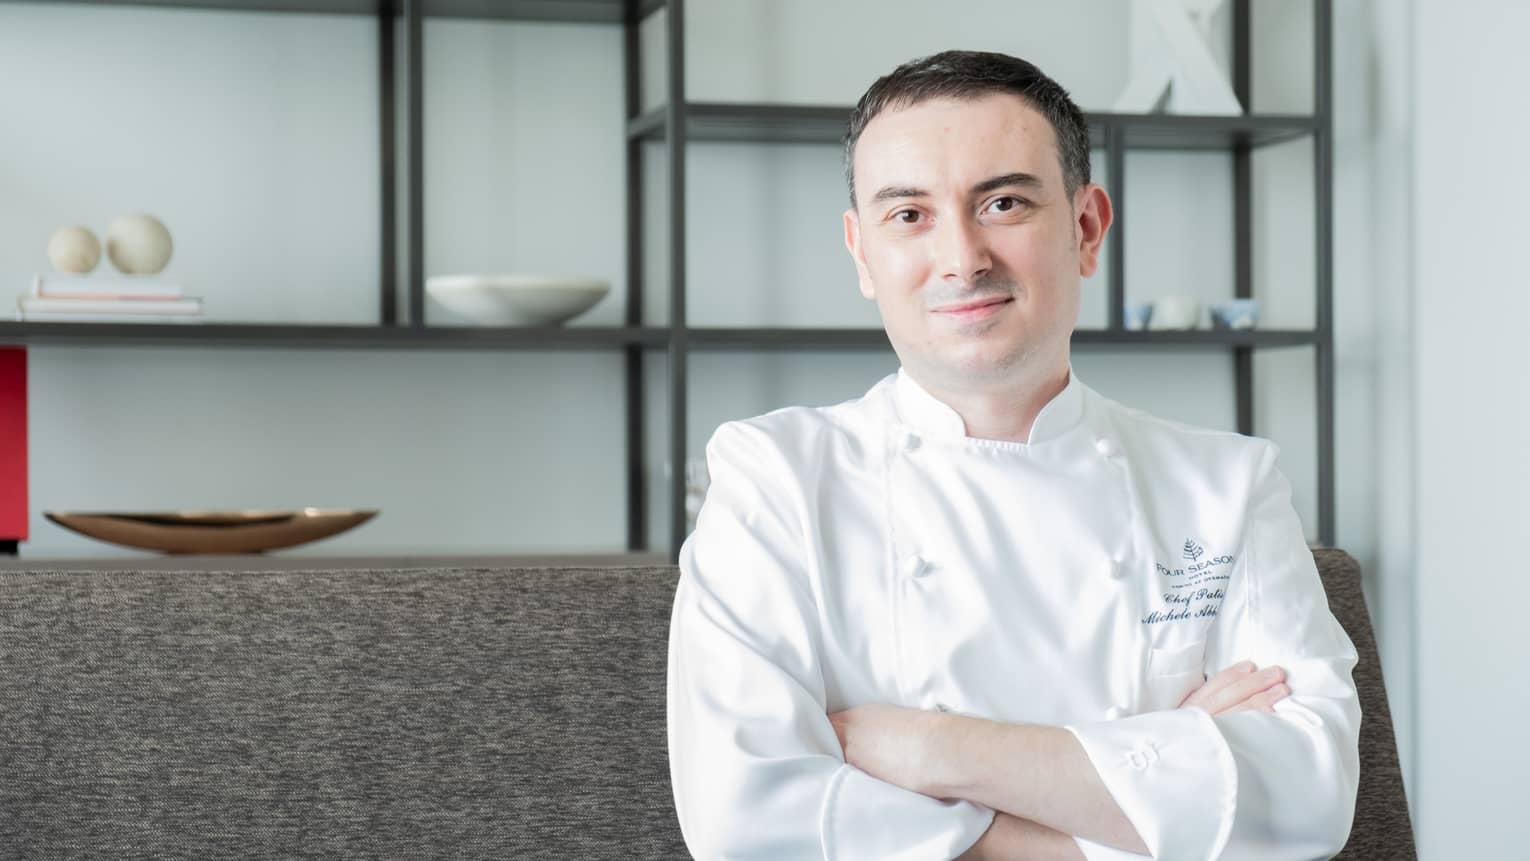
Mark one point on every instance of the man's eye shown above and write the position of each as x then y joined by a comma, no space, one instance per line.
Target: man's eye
898,216
1018,202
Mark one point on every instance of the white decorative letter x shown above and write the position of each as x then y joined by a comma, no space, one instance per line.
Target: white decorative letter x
1172,67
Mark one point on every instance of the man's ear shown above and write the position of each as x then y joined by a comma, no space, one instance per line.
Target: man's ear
857,253
1094,217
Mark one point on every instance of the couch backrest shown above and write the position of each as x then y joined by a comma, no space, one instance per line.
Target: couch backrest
507,713
513,713
1382,826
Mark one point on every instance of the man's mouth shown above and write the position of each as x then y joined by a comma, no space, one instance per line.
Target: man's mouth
971,307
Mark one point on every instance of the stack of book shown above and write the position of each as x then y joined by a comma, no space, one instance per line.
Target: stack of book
73,298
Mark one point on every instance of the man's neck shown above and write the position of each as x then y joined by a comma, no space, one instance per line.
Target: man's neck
1003,412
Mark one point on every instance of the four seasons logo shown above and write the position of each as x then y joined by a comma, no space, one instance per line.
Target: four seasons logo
1193,551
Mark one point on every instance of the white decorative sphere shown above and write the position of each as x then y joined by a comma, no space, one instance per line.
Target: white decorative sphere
138,244
74,249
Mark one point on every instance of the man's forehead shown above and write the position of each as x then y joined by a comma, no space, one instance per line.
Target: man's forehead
1013,179
963,142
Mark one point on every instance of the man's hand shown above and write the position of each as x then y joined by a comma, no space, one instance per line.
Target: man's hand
1011,838
913,749
1239,688
899,745
888,742
896,744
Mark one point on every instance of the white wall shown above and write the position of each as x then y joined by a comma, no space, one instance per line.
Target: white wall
253,137
1433,463
1373,313
1472,412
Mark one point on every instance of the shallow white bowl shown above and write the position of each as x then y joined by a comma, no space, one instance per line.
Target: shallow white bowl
517,300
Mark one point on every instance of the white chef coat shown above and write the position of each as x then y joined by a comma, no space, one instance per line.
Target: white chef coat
1090,578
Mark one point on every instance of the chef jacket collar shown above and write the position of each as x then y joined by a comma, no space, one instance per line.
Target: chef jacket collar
930,415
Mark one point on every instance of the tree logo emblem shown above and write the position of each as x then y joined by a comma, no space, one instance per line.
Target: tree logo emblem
1193,551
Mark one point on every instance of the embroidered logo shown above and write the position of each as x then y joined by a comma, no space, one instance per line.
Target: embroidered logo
1193,551
1195,591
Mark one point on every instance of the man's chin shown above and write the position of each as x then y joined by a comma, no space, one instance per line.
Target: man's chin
970,366
986,360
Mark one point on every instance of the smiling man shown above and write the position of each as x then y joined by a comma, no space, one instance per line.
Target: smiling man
972,614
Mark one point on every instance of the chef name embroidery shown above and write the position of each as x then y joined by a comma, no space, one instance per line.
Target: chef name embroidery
1195,591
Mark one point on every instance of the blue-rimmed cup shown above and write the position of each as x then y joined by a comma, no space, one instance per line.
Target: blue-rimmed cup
1137,315
1235,314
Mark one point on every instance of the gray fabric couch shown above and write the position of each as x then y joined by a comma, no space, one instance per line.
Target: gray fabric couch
417,713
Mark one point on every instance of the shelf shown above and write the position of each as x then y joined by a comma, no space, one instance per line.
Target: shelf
566,11
569,11
737,338
1197,338
861,339
1181,132
279,561
383,337
566,337
765,123
748,123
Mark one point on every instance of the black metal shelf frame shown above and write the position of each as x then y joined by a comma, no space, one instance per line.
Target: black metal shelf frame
1114,133
677,121
775,123
700,338
565,11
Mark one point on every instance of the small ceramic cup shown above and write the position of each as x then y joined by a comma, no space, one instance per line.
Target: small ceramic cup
1137,315
1235,314
1175,312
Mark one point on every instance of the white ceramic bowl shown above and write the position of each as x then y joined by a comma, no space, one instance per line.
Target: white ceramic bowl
517,300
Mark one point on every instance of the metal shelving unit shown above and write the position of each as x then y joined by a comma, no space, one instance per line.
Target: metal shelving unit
761,123
765,123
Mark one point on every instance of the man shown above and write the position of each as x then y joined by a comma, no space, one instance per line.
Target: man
972,613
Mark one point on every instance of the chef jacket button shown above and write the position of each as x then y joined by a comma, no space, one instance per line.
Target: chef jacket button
915,565
1106,447
910,440
1143,757
1118,569
1115,712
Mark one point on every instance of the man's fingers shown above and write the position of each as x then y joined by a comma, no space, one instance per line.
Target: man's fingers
1217,682
1245,687
1232,686
1263,701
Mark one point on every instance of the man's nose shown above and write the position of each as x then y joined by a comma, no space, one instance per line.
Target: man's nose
961,250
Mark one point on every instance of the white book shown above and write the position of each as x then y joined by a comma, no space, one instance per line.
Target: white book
189,305
61,317
73,285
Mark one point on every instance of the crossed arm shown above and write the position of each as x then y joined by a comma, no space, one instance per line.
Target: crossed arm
1038,778
761,770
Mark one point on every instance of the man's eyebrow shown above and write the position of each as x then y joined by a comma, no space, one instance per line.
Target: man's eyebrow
895,192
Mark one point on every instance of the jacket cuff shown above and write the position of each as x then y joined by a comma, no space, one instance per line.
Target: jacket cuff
1172,774
864,817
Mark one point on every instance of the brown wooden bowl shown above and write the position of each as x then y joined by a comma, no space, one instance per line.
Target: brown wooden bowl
211,531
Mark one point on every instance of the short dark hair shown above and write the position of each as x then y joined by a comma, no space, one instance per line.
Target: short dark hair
970,75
